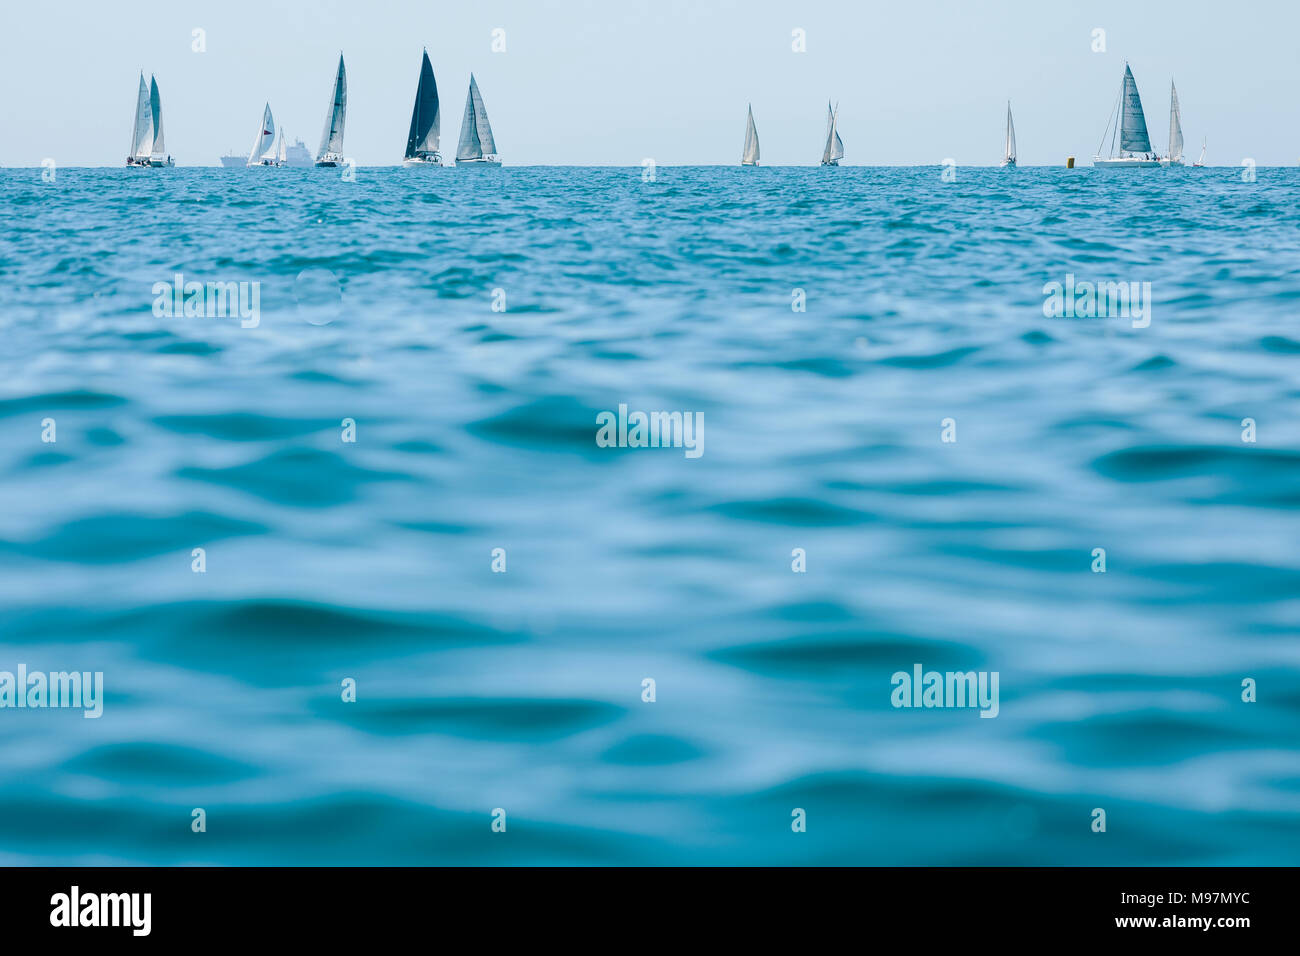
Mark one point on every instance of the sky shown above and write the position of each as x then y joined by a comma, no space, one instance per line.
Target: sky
613,82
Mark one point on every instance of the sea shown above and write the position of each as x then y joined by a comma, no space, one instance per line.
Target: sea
366,585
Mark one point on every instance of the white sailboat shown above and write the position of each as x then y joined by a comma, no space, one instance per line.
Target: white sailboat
1175,156
422,140
476,147
1200,160
1009,156
148,147
281,154
1129,124
834,150
264,147
750,156
331,140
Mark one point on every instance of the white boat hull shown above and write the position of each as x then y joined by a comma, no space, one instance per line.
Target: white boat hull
1008,164
330,160
151,163
484,163
418,163
749,164
1126,162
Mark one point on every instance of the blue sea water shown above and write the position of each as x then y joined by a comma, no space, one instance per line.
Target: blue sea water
823,431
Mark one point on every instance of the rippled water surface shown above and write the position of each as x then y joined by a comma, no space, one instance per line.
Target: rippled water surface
475,430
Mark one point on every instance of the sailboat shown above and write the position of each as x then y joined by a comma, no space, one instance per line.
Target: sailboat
1200,160
264,152
750,156
1009,158
834,150
422,140
1175,157
280,153
331,140
1130,125
148,148
477,147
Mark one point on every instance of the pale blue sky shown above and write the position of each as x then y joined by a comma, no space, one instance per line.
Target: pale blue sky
614,81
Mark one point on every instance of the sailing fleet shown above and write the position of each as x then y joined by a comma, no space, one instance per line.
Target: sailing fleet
1130,143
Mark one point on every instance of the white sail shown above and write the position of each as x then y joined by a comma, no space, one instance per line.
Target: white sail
142,135
282,155
1010,156
1175,126
159,146
750,155
264,145
834,150
1200,161
331,140
476,140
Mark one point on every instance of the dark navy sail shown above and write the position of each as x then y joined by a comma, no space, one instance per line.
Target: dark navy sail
423,137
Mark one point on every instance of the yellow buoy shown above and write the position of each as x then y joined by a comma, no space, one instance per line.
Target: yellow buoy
1069,162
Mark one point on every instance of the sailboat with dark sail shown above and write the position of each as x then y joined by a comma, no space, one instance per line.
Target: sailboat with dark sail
834,150
422,140
1127,128
148,147
476,147
331,140
750,156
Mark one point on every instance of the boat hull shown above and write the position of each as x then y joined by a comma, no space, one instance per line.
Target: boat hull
1126,162
833,162
1008,164
419,163
151,163
480,163
270,163
749,164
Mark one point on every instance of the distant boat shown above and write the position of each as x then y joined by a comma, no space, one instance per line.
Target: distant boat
750,156
1009,156
422,140
297,154
264,152
1175,156
834,150
148,148
283,154
477,147
1200,160
331,140
1129,123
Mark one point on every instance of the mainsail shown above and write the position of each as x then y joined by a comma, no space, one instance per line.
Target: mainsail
423,137
282,153
1133,136
264,145
142,136
159,147
834,145
1011,137
331,140
1175,126
750,156
475,130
